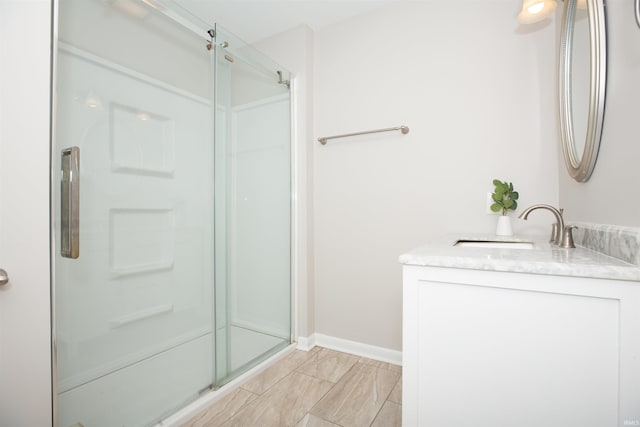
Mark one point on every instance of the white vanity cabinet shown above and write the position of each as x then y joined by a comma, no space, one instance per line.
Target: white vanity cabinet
503,349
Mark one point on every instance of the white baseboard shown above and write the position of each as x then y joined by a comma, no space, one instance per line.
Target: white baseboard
306,343
352,347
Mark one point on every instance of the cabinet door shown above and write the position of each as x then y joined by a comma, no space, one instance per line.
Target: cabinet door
493,356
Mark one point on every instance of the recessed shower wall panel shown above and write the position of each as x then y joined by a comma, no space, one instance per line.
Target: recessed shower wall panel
141,142
141,241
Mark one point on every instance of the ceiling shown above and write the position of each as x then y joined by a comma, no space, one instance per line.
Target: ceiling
253,20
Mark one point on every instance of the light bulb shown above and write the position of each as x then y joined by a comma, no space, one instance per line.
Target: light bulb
91,100
536,8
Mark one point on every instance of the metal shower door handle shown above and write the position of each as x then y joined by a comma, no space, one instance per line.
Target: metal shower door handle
4,277
70,203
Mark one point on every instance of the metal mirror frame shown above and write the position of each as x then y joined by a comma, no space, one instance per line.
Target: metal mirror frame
580,167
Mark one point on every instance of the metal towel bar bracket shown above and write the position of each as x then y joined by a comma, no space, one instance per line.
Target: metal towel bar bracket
403,129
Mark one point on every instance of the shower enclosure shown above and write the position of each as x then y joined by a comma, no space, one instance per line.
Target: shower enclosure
170,210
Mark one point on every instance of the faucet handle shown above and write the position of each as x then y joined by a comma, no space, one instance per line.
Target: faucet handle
555,235
567,237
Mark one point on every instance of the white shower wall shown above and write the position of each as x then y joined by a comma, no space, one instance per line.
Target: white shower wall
260,255
95,26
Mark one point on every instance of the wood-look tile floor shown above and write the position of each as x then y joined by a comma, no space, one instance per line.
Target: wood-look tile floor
319,388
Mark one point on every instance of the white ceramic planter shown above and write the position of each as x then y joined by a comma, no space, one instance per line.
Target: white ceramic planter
504,226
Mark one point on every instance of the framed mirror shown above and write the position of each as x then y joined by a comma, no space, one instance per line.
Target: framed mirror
582,81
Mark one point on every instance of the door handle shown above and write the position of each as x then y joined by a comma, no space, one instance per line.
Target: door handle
4,277
70,203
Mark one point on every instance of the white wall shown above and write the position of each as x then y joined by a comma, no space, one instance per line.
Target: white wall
477,93
610,196
25,357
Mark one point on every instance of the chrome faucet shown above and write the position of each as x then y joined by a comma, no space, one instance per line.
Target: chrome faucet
560,236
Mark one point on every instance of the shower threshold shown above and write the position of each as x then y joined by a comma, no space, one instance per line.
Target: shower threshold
208,398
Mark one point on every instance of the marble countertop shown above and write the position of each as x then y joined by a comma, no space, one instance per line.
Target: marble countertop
544,258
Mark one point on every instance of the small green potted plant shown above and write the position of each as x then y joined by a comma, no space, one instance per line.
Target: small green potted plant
505,199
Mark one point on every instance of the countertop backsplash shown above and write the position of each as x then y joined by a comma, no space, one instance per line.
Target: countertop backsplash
616,241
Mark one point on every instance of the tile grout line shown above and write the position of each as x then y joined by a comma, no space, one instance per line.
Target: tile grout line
380,410
336,383
264,392
243,406
344,400
314,405
292,371
361,360
277,382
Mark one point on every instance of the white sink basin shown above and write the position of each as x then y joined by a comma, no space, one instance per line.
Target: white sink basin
494,244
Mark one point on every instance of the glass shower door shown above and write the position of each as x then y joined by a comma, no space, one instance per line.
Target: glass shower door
253,205
133,158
